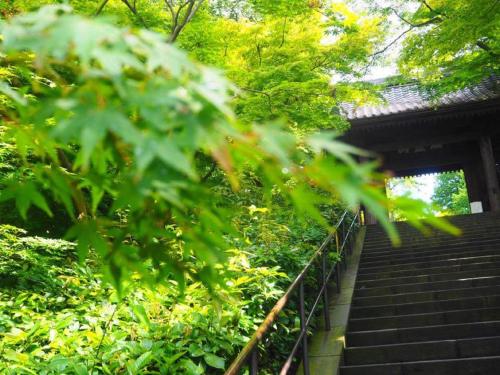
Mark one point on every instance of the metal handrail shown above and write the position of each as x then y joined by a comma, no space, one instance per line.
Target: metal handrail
249,354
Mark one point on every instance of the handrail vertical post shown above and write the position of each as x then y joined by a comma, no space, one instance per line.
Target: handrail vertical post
352,241
325,292
355,229
343,242
337,266
254,361
303,328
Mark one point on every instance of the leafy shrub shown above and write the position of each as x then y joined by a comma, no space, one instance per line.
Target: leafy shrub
57,316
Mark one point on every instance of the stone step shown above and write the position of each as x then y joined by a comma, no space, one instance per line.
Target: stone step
415,234
426,333
427,278
428,264
425,307
463,366
429,271
402,253
425,319
430,306
378,232
422,287
426,296
459,253
381,248
466,220
410,237
423,351
465,223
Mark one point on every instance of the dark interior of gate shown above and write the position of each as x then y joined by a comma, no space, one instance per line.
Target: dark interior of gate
414,134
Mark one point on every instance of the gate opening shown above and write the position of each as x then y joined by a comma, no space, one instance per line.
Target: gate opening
446,192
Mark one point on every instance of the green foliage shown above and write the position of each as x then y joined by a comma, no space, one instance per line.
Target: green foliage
280,54
401,187
283,7
450,44
11,167
115,123
167,183
282,63
57,316
450,194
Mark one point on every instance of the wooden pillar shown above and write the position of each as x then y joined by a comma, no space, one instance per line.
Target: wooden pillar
490,172
474,181
369,218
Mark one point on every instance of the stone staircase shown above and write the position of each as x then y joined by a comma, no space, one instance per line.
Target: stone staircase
431,306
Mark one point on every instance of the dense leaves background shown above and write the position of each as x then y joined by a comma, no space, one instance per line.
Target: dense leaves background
191,200
59,317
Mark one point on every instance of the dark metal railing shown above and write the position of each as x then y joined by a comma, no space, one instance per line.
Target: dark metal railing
341,240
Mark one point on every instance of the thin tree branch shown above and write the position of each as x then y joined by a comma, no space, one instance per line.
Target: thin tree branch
191,14
486,48
434,20
170,8
101,7
210,171
428,6
269,101
77,195
105,330
133,9
493,6
283,33
176,18
394,41
179,21
401,17
319,63
259,53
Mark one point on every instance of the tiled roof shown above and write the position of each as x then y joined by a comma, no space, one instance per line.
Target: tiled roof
411,97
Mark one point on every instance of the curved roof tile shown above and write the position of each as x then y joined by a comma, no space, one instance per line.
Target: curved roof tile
410,97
